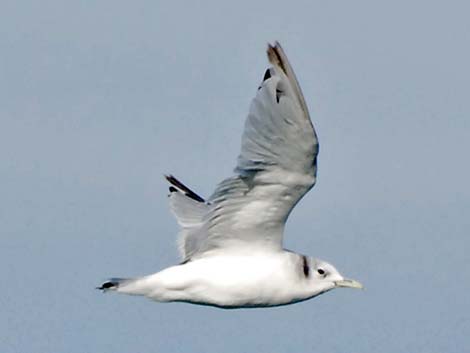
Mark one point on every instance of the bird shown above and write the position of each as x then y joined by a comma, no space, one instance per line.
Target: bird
231,243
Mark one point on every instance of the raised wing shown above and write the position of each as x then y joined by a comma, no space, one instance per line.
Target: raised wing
278,130
276,167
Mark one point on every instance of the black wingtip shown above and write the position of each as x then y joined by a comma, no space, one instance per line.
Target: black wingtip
276,55
178,185
267,75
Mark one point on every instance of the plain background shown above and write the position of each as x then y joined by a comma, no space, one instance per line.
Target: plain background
98,99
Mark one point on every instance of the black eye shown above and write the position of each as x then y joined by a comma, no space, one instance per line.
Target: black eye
321,271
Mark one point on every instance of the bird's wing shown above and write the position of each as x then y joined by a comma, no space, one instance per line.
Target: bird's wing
189,210
276,167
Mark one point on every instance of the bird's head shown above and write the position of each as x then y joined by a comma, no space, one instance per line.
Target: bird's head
327,277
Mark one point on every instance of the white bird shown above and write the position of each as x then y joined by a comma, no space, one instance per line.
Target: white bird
231,243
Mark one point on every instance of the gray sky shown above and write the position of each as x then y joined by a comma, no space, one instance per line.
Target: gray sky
100,98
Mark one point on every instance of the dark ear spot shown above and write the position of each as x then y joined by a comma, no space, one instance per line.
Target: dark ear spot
306,269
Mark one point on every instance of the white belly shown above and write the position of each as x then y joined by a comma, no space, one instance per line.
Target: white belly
230,281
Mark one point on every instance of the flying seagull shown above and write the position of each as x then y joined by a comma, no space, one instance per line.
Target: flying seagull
231,243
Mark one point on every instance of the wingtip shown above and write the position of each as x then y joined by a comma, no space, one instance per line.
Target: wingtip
270,51
278,58
177,185
276,55
275,44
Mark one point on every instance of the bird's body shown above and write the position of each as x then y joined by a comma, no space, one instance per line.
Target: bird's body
231,243
232,281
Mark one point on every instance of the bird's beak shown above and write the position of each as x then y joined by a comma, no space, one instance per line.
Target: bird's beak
350,283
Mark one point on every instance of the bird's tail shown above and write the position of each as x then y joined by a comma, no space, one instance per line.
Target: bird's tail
113,284
132,286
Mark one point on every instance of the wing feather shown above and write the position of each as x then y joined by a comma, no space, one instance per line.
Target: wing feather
275,169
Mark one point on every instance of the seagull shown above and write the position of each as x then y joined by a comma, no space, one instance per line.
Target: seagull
231,244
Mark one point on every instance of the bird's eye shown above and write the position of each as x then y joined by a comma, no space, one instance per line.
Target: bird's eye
321,271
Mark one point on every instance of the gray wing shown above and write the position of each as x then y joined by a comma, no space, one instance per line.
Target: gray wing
278,131
276,167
